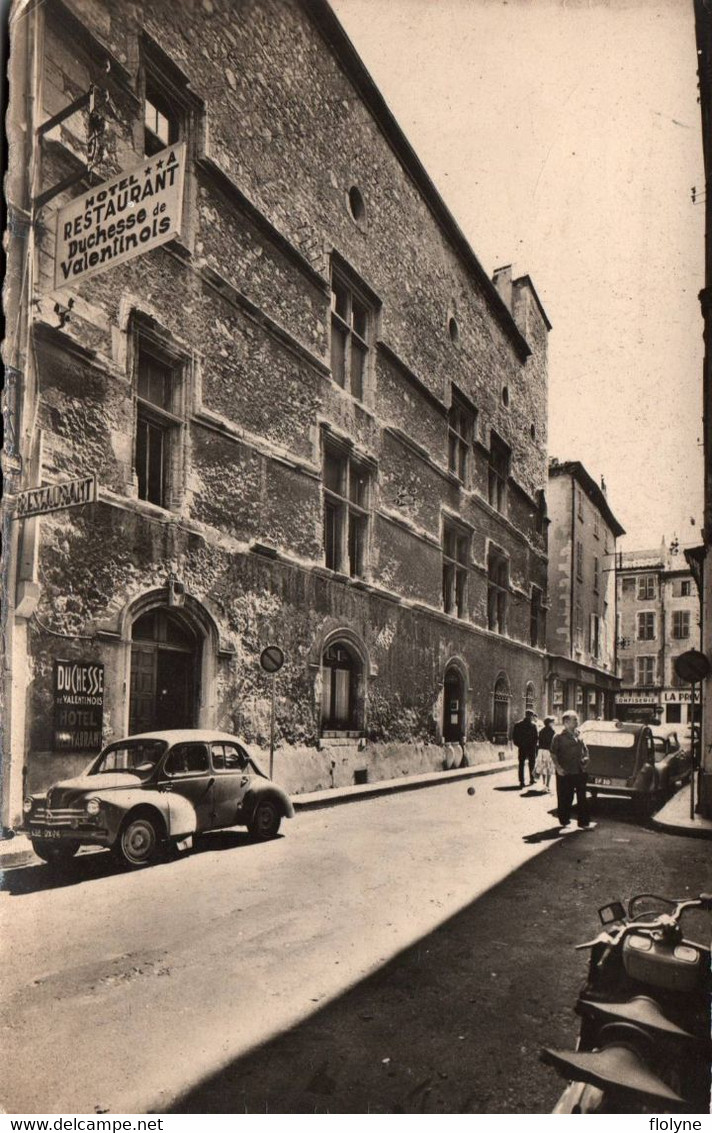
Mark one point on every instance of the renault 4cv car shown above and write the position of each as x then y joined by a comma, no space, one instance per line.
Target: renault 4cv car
148,792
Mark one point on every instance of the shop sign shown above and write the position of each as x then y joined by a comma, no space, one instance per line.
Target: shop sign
636,698
120,219
78,705
680,696
55,497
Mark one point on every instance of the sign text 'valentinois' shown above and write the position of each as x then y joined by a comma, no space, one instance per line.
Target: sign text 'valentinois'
121,218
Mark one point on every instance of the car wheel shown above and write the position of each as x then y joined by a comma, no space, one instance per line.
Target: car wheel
54,853
265,821
138,843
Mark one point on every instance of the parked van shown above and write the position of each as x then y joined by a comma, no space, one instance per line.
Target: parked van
622,761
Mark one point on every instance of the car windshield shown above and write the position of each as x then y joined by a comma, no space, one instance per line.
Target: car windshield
137,757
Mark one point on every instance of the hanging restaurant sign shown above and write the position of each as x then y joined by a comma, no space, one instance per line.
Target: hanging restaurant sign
55,497
122,218
78,705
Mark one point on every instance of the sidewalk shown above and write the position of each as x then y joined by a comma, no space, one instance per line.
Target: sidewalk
17,851
674,817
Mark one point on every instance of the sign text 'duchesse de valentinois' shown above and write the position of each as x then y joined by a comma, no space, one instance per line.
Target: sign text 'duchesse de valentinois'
121,218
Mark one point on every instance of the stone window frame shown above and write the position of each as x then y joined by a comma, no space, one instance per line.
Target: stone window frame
646,625
350,514
149,339
456,555
596,525
537,617
682,617
498,564
462,432
499,464
341,322
594,631
647,663
578,626
646,587
596,573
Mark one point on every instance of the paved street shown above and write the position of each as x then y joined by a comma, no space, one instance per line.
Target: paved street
404,954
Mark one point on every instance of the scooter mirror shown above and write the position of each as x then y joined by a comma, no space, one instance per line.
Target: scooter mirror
610,913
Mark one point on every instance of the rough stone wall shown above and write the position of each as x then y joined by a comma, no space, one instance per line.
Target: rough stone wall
243,299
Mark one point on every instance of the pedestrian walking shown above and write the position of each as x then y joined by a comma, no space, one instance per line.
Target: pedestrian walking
544,766
570,757
525,737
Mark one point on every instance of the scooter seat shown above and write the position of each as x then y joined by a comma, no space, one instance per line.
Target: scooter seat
641,1010
616,1067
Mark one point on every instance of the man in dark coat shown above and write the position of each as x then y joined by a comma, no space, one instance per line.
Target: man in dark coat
525,738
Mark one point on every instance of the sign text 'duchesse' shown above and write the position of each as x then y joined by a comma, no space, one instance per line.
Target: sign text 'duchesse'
121,218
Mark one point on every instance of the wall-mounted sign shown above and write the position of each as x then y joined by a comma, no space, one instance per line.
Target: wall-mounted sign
78,705
636,698
121,218
680,696
55,497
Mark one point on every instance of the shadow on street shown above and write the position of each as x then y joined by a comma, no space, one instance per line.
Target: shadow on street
98,864
454,1023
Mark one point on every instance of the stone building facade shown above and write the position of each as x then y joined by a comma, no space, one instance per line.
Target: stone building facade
581,637
658,619
313,419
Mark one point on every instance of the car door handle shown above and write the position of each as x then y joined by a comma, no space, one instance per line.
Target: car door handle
244,780
166,787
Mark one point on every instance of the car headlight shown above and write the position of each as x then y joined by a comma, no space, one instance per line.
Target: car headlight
27,805
93,806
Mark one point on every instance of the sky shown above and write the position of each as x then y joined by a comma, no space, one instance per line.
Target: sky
564,136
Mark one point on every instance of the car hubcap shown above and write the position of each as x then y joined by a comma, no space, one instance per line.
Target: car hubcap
265,820
138,841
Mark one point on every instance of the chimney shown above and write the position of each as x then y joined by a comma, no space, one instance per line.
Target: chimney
502,279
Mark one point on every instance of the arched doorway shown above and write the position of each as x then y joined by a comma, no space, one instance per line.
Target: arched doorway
500,714
340,676
165,671
453,705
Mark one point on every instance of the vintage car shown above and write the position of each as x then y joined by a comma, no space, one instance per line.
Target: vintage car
673,761
149,792
622,761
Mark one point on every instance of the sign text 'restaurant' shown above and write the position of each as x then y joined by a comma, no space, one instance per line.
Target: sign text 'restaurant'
122,218
55,497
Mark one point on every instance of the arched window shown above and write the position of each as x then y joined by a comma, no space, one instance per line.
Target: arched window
165,671
529,697
341,672
500,715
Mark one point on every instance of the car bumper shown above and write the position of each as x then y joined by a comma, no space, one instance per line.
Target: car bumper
82,832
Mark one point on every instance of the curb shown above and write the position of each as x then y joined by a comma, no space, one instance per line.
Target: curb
679,828
391,786
24,854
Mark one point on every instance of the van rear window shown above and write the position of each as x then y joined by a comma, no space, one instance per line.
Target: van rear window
609,739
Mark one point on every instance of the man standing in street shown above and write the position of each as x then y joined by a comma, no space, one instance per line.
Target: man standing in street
525,737
570,756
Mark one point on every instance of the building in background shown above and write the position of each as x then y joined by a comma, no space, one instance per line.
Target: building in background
658,619
581,627
301,412
703,26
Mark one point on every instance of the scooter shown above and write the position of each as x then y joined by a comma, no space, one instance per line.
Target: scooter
644,1043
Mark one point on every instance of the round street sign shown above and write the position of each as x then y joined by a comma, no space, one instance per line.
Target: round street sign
272,659
692,666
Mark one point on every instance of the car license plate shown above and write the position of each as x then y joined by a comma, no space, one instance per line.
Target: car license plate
39,832
602,782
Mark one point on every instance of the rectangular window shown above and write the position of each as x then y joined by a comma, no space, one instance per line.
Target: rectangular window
346,498
351,332
498,472
646,586
456,557
645,670
596,573
536,619
578,626
680,624
682,588
628,671
158,425
579,561
461,430
628,585
579,494
497,590
595,635
646,626
596,525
